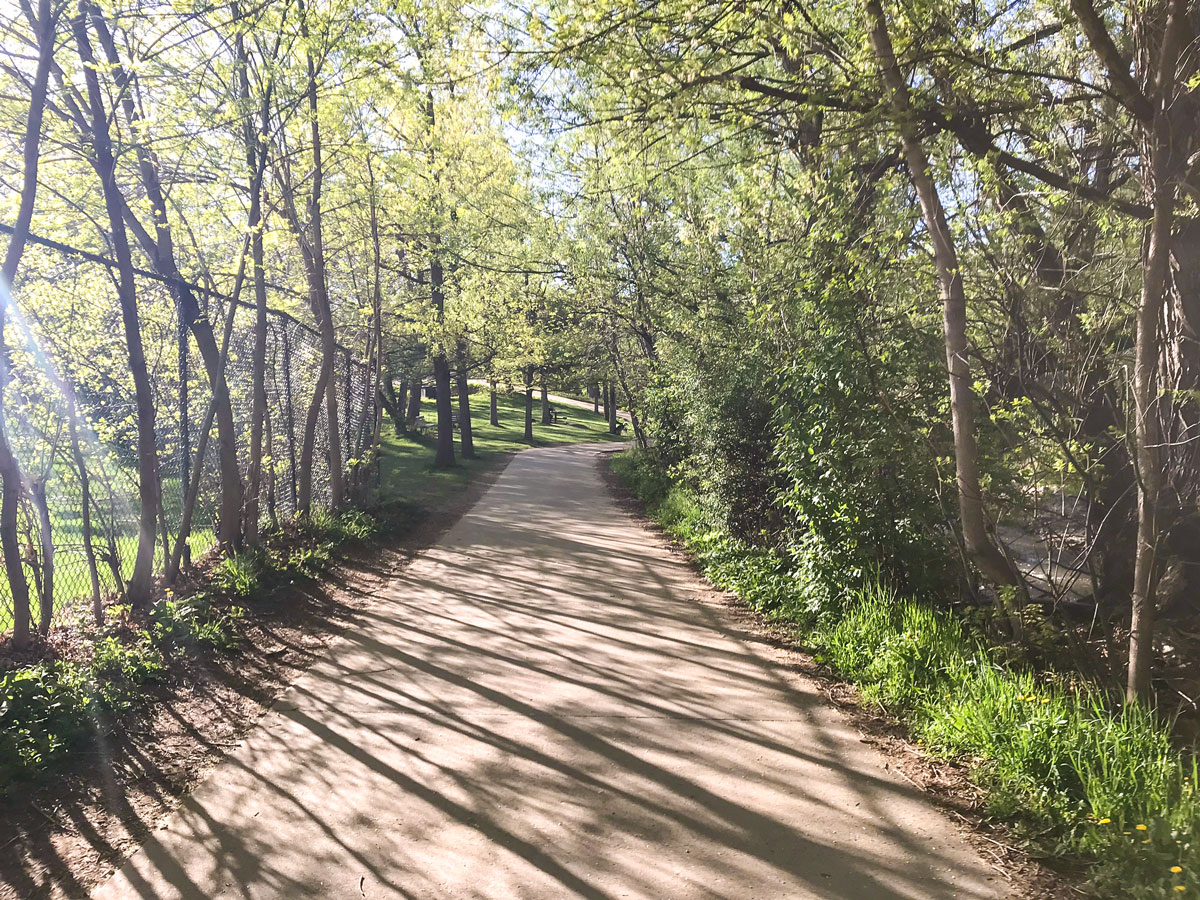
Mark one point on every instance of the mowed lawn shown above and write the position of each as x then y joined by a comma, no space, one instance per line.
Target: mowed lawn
407,475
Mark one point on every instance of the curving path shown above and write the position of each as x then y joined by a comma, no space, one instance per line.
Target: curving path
542,706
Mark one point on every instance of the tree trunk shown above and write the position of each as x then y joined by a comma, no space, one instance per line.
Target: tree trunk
547,418
161,250
393,402
37,491
1147,433
612,409
444,455
141,582
255,166
11,481
529,405
493,413
604,399
979,545
312,247
376,358
414,401
596,399
465,437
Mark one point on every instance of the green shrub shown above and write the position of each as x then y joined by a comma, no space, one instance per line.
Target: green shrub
193,622
240,575
45,710
120,670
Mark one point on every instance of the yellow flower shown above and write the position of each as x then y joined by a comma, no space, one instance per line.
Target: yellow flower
1020,696
1146,841
1179,889
1175,870
1104,821
1046,700
1140,827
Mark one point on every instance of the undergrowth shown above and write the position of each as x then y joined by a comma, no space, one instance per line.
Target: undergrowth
1074,774
51,708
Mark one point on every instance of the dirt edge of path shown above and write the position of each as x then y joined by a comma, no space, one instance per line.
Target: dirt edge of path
947,784
63,837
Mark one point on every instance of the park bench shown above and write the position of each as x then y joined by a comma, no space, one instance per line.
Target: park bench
418,425
557,416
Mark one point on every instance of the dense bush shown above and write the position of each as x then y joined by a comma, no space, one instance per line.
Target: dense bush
1071,773
814,440
45,710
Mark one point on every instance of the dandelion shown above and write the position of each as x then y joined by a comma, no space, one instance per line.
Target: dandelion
1104,821
1020,697
1140,827
1179,889
1175,870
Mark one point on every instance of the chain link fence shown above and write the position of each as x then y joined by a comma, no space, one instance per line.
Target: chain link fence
72,423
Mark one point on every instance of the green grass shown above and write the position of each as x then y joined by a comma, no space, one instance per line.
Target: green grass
1074,774
407,474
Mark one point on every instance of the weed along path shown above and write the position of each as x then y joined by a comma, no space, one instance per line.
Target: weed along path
548,705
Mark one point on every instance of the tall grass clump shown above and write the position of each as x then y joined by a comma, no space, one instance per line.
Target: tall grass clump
1073,772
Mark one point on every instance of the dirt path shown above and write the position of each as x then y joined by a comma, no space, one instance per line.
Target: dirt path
540,708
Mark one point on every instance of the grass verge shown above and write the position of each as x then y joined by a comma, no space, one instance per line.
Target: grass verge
1075,776
408,478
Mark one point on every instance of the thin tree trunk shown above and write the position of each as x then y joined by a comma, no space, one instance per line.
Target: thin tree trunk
37,491
377,327
193,488
493,412
1165,159
393,402
547,418
596,399
604,398
312,246
255,168
272,505
529,405
980,547
11,481
465,437
612,408
141,582
161,250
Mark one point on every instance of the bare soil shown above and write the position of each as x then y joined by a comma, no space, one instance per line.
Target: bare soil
68,834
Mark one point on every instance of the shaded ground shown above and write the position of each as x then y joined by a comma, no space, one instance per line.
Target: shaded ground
549,704
61,838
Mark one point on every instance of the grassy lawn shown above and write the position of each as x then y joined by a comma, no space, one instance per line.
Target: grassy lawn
407,473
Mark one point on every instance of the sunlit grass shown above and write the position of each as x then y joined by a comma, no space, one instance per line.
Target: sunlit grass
407,473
